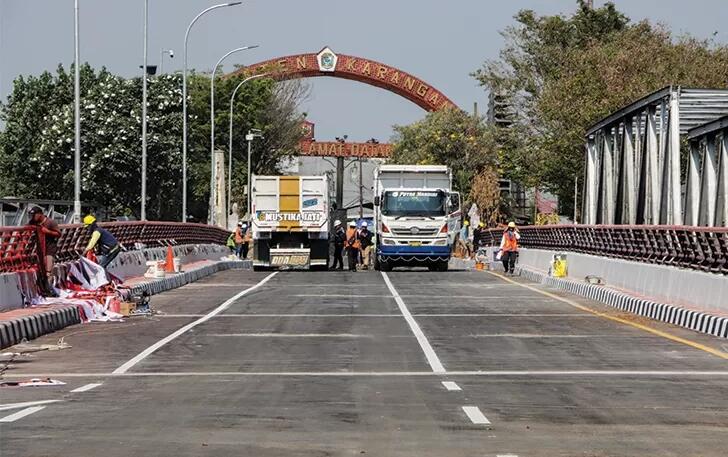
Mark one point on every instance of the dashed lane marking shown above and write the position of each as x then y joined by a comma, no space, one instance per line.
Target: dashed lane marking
26,404
451,386
654,331
475,415
151,349
86,388
432,358
22,413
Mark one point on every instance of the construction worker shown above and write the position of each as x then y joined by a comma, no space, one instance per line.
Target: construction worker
463,239
509,247
48,234
352,245
242,240
339,240
477,235
365,240
106,245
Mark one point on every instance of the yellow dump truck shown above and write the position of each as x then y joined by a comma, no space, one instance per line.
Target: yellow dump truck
290,222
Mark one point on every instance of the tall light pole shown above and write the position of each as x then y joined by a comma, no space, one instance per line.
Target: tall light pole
252,134
213,171
230,138
184,104
144,114
77,121
162,52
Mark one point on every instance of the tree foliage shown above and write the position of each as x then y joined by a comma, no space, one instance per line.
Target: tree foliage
565,73
447,137
37,145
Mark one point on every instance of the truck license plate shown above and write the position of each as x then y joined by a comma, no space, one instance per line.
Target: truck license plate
292,260
415,243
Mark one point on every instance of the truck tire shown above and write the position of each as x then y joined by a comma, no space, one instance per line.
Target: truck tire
377,265
385,266
442,265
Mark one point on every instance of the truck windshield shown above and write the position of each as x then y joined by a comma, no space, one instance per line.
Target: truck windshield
430,203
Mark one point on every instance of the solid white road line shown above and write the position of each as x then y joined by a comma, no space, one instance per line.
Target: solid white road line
145,353
451,386
475,415
292,335
506,455
86,388
432,358
26,404
281,315
21,414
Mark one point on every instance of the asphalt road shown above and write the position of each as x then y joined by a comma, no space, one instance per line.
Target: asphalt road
344,364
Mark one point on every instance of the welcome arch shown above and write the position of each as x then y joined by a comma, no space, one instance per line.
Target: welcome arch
327,63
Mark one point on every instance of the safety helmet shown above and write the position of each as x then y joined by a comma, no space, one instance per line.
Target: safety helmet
88,219
352,224
337,222
466,222
481,224
364,224
511,224
240,224
35,210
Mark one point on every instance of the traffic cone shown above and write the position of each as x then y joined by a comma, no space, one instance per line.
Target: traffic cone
169,264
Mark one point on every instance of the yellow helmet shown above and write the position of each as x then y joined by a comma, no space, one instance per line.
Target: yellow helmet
89,219
511,225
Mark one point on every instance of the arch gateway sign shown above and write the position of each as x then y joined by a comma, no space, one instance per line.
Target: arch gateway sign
327,63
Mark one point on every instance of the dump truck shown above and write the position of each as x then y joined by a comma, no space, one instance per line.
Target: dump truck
290,222
416,213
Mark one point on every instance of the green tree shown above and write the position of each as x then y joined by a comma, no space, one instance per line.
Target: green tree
448,137
565,73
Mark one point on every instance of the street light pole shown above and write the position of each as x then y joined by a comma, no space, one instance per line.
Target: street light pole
230,138
213,171
252,134
162,52
184,104
77,121
144,114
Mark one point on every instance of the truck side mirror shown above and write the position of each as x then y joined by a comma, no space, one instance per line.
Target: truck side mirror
376,200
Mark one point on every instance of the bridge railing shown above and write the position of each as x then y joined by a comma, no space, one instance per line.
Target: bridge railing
698,248
19,246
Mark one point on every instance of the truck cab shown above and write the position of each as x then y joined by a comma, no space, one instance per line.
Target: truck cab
414,214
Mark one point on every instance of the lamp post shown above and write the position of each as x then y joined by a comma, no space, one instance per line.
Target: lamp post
144,114
213,171
184,104
161,58
77,120
230,137
252,134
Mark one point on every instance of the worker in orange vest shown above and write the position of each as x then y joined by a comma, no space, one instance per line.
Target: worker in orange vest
352,245
509,247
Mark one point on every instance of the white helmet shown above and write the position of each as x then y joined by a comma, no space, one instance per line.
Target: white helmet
364,224
352,223
337,222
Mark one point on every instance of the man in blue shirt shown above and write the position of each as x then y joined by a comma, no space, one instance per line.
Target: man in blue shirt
106,245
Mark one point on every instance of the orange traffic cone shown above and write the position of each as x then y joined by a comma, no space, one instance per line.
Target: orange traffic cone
169,264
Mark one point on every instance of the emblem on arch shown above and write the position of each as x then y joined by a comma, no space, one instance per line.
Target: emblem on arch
327,59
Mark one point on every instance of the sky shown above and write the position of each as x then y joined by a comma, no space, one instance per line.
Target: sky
441,42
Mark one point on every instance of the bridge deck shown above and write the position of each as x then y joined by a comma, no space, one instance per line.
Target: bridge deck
335,363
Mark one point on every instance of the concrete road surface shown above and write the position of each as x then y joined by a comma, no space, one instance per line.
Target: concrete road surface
411,363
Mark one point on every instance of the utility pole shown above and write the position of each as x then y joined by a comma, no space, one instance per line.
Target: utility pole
144,115
77,122
576,194
361,190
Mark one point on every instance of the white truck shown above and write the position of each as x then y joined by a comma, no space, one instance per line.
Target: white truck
416,213
290,221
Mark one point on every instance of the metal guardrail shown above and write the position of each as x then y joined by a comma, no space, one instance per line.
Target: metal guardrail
696,248
19,245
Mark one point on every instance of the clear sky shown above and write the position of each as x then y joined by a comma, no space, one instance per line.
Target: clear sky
440,42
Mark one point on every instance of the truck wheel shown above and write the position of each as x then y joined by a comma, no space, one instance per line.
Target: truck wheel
433,266
442,265
385,266
377,265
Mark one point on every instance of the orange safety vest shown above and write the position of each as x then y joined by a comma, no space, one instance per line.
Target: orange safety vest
238,236
511,242
351,238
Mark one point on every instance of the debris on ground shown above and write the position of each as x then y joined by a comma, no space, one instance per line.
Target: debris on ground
33,382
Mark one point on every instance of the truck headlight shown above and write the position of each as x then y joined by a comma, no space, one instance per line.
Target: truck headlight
388,242
441,242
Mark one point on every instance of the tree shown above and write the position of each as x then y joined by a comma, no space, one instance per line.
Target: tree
447,137
37,145
565,73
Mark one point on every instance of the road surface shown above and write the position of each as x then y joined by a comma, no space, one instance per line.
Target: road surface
411,363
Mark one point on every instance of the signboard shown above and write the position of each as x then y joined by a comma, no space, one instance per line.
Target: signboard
291,260
336,149
275,216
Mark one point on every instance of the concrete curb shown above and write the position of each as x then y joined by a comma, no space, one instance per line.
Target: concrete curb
30,327
682,317
671,314
156,286
33,326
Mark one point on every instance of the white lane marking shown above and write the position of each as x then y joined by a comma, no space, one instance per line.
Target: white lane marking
506,455
21,414
432,358
536,335
341,295
292,335
284,315
145,353
475,415
86,388
515,373
451,386
26,404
